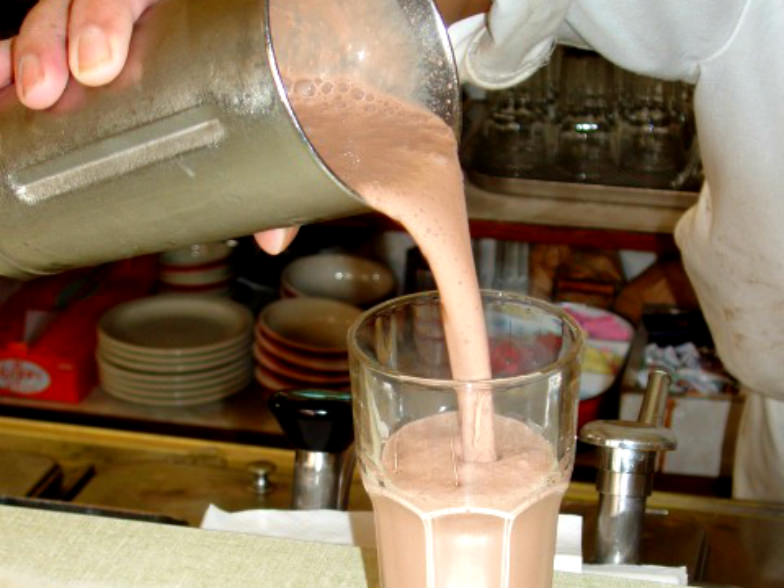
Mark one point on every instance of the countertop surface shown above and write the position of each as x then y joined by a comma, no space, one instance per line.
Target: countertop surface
55,549
42,548
180,477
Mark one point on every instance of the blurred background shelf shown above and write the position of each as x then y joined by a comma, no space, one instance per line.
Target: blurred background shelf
584,215
587,206
241,418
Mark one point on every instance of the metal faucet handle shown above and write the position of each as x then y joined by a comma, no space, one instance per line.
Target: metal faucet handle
628,435
644,434
654,401
627,463
261,471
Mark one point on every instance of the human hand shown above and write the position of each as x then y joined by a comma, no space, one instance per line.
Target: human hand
86,39
89,40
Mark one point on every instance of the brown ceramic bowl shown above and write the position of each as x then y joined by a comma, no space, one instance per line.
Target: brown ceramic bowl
313,325
302,359
297,374
270,381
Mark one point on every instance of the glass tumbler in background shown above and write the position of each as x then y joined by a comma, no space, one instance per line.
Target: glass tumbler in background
651,149
586,149
442,521
513,141
516,139
511,266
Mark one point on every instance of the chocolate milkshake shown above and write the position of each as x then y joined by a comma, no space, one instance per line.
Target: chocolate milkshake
443,521
467,497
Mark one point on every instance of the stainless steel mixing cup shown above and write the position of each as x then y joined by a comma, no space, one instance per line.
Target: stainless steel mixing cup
196,140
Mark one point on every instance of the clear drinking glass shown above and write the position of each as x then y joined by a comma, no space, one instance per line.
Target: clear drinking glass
651,134
513,141
442,521
517,138
586,150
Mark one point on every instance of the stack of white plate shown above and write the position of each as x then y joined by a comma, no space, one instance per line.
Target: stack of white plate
175,350
197,269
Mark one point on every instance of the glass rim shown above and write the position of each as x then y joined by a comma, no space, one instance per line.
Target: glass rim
544,372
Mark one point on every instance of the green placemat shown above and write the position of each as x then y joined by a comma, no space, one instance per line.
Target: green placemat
45,549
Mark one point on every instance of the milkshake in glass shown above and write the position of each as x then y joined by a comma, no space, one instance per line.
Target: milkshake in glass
442,520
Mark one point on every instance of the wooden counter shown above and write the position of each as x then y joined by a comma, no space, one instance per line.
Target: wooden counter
742,538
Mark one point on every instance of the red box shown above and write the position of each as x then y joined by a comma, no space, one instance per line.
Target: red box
48,328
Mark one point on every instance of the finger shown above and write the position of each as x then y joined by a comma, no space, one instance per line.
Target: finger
275,241
99,33
40,68
5,63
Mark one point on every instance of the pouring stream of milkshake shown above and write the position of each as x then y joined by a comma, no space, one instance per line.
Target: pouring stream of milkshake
403,161
479,511
465,498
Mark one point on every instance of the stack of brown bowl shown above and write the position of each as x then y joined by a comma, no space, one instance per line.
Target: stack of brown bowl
174,350
301,343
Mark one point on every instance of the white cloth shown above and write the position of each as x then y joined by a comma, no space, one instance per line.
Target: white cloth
758,474
732,239
357,528
506,46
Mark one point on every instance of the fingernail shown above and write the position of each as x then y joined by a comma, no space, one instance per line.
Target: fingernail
276,241
93,49
29,73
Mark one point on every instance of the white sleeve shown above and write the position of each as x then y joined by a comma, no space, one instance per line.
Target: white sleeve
662,38
502,48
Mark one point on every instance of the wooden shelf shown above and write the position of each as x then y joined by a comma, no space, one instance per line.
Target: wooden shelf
609,217
240,418
585,206
523,210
